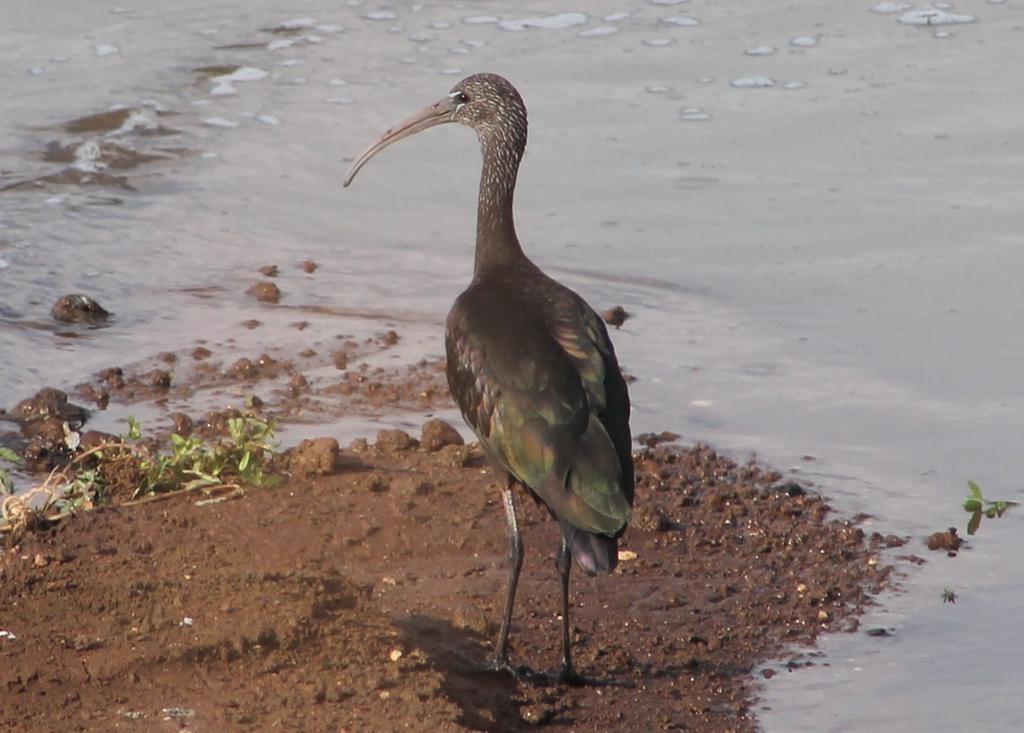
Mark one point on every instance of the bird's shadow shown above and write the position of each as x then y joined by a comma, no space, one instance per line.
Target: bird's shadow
488,699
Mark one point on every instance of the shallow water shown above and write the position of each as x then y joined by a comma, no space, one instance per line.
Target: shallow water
824,271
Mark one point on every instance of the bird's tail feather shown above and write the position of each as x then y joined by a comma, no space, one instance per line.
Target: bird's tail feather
594,553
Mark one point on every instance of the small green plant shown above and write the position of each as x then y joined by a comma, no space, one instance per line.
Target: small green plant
978,505
6,484
948,595
194,463
84,491
133,467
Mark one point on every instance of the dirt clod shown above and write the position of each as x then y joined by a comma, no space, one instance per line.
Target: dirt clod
615,316
265,292
395,440
314,457
438,434
948,540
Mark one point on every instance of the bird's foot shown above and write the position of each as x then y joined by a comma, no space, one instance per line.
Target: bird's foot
568,675
521,672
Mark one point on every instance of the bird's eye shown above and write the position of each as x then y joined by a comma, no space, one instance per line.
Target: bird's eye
460,97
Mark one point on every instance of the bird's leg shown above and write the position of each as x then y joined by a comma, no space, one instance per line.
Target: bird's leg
568,674
563,561
515,560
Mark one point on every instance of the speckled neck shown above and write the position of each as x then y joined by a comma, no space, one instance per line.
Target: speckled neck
497,246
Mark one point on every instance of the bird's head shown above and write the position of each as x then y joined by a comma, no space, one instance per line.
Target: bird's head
486,102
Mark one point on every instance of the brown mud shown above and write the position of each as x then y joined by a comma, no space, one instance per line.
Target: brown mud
363,593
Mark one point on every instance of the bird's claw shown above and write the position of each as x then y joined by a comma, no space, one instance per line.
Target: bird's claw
519,671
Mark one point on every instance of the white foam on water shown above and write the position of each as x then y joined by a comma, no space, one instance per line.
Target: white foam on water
380,15
935,16
615,17
292,62
440,25
219,122
330,28
681,21
106,49
224,84
5,263
761,51
58,59
337,83
473,43
35,70
268,120
278,43
658,89
942,34
452,71
136,120
658,42
297,23
790,85
599,32
752,82
87,157
668,2
243,73
422,37
694,114
223,89
890,6
479,19
458,50
803,41
545,22
339,100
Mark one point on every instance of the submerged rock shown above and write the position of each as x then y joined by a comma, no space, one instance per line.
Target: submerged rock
76,308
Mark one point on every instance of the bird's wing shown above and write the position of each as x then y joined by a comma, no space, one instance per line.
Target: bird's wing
534,390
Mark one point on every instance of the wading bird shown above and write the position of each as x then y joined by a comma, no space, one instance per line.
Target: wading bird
530,365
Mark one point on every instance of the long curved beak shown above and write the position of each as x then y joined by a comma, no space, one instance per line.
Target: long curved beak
438,113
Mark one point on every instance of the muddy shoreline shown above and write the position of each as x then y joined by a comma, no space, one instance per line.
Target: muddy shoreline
363,591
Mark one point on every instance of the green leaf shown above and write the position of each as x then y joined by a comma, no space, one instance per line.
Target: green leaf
972,526
975,489
245,461
134,429
8,455
972,504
